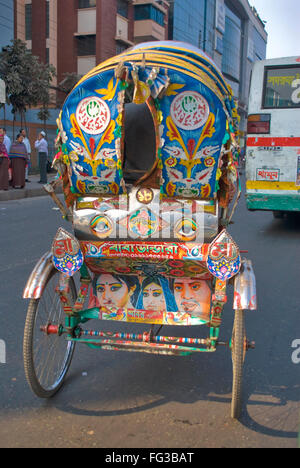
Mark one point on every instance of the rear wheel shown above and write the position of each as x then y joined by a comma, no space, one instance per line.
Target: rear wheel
238,351
47,356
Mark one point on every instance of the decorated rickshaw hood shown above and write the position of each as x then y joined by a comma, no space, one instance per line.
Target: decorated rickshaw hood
192,109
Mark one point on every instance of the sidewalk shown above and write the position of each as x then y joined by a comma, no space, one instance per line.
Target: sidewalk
32,189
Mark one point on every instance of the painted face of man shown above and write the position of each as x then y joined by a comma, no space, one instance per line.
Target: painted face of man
111,292
153,297
193,296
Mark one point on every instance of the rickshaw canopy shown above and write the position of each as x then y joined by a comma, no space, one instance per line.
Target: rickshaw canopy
193,114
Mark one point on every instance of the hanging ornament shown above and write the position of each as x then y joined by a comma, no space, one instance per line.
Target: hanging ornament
67,256
223,260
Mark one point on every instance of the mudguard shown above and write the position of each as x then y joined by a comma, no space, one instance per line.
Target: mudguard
245,288
38,277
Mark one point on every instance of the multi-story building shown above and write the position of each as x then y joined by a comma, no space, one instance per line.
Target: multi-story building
75,35
229,31
18,21
6,32
6,21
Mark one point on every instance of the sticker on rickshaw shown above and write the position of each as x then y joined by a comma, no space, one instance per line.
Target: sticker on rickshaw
93,115
143,223
189,110
102,226
67,256
223,259
144,195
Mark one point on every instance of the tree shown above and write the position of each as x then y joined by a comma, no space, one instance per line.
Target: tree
66,86
27,80
43,91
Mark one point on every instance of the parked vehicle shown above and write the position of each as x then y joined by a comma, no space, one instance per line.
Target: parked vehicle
273,143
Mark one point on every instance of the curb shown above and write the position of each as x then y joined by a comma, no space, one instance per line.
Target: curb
19,194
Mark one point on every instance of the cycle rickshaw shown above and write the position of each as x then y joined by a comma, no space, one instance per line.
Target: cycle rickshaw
146,148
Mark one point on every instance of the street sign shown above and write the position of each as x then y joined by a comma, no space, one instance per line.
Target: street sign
2,92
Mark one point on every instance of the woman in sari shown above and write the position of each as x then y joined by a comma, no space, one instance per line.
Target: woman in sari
18,159
4,164
156,295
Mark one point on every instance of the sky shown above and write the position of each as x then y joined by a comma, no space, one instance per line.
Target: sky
283,26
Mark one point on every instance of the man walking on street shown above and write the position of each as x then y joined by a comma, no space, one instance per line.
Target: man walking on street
28,148
41,146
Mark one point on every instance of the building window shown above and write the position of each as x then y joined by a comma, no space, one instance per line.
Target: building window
86,3
146,12
219,45
120,48
47,19
28,22
86,45
188,22
231,59
209,38
259,45
122,8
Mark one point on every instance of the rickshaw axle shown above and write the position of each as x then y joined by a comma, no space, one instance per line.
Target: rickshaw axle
146,337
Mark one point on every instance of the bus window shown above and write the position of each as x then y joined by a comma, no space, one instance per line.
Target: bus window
281,87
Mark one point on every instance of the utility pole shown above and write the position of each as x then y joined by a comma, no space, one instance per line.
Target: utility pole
204,29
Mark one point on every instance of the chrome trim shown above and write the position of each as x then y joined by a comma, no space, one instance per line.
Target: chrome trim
245,288
37,279
85,212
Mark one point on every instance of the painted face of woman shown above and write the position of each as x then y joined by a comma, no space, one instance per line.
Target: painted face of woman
111,292
153,297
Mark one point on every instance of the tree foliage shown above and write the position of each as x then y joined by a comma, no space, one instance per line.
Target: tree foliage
65,86
27,79
69,81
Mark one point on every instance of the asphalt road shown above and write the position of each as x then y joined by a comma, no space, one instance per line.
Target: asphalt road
132,400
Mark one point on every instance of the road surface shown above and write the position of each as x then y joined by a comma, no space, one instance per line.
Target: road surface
116,399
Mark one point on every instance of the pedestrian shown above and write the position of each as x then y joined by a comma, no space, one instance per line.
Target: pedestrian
18,161
4,163
41,146
28,148
7,141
